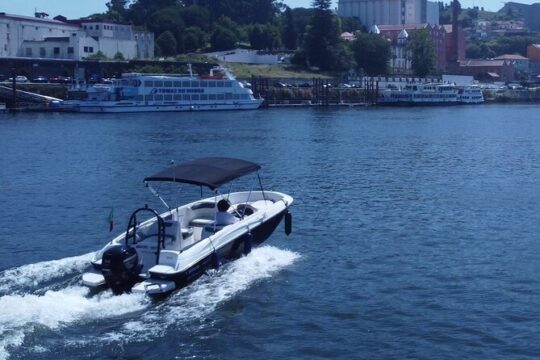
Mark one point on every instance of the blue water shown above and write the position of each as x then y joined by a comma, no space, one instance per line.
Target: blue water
415,235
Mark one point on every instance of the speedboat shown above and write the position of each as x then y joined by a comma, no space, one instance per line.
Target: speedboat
169,250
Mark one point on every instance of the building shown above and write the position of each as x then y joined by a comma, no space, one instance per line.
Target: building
441,37
390,12
521,64
59,38
500,70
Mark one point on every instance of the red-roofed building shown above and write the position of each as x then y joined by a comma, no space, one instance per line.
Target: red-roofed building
441,37
495,69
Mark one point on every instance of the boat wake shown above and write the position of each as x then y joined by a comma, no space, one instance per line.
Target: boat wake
21,313
34,276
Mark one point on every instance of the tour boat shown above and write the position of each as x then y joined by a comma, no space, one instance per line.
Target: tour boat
169,250
432,94
470,95
137,92
421,94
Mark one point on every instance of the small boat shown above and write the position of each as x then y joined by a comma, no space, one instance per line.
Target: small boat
170,250
471,94
139,92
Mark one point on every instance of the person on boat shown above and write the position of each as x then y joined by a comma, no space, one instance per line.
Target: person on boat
223,217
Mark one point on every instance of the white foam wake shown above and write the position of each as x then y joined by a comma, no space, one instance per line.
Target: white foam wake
20,313
203,296
32,275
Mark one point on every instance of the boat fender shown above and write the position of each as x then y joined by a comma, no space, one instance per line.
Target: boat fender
247,243
288,223
215,260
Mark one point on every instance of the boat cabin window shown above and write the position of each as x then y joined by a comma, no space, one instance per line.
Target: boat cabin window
158,97
204,83
228,96
220,84
185,84
148,83
195,97
211,96
167,84
211,84
158,83
177,97
148,97
221,96
167,97
194,84
177,84
186,97
204,97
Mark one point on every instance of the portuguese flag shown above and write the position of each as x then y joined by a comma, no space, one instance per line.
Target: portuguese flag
111,220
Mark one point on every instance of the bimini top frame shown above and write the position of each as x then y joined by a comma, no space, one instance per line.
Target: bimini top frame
210,172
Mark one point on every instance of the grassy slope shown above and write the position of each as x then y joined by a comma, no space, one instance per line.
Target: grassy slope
271,71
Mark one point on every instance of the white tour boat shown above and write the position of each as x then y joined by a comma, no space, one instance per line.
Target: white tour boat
137,92
421,94
170,250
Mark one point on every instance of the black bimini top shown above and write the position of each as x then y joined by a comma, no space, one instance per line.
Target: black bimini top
211,172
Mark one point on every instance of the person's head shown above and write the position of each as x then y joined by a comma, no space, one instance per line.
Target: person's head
223,205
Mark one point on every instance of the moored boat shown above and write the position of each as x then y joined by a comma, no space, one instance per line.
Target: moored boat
421,94
137,92
170,250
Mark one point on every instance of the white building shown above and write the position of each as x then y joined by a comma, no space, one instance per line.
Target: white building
30,37
390,12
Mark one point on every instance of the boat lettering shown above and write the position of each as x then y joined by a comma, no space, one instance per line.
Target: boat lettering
176,91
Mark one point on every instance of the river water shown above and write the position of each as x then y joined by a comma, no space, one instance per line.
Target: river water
415,235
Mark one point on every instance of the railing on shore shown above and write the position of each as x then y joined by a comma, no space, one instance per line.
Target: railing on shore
314,92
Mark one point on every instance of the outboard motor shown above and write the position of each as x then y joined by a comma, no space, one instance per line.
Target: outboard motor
120,268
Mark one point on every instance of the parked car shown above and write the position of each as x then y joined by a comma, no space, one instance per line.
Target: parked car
40,80
60,80
94,78
19,79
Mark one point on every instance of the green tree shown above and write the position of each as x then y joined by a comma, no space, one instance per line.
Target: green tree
166,44
371,53
167,19
119,56
420,46
193,39
223,39
322,37
289,36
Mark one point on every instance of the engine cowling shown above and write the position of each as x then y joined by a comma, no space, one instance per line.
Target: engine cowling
120,267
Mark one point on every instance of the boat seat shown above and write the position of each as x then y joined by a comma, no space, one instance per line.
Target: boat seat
201,222
168,258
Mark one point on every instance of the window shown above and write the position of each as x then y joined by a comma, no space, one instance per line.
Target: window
148,83
167,97
70,50
186,97
204,83
177,84
204,97
158,83
177,97
56,51
167,83
149,97
158,97
194,84
220,84
90,49
185,84
28,52
86,49
211,84
195,97
97,27
42,52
